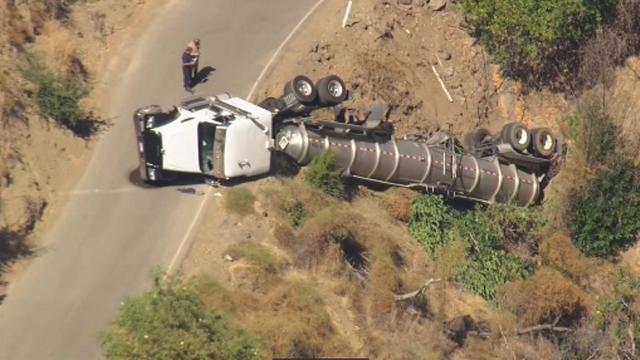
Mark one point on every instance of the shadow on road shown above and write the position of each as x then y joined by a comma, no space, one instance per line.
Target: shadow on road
203,75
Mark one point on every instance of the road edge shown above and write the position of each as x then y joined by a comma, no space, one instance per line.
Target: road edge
187,240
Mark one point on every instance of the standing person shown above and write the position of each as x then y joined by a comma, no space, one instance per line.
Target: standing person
195,53
187,68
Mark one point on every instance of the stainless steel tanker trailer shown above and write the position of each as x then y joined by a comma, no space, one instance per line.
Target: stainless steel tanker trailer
224,137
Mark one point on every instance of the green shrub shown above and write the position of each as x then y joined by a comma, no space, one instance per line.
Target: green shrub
171,322
522,34
606,217
57,96
489,269
485,233
240,200
428,221
323,173
593,133
297,214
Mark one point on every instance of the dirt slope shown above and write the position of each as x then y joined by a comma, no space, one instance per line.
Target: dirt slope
387,52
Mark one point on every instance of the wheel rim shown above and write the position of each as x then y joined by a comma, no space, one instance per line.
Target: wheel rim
522,136
547,142
304,87
335,88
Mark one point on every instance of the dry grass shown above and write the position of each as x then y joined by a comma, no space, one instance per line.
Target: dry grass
259,268
296,323
543,297
412,339
559,253
397,201
284,194
451,259
291,318
240,200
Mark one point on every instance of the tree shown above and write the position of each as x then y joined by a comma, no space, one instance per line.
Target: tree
525,34
171,322
606,217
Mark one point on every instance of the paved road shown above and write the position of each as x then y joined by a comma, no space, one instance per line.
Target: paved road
111,234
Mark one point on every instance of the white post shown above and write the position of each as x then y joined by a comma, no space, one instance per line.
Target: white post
346,14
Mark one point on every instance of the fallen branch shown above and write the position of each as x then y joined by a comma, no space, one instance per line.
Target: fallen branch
553,327
442,83
417,292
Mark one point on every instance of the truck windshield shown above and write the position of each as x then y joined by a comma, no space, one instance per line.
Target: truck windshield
206,133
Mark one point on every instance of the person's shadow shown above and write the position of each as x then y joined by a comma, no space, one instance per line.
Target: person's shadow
203,75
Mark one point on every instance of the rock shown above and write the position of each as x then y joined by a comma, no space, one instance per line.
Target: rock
228,258
443,55
437,5
405,2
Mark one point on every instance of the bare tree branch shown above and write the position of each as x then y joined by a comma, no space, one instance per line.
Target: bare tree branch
553,327
417,292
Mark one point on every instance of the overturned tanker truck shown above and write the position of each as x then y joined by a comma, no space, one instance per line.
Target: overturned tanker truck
224,137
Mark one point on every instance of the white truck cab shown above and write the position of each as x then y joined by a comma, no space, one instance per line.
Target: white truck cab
220,136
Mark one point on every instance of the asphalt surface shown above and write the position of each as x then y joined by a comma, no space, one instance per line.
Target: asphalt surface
112,233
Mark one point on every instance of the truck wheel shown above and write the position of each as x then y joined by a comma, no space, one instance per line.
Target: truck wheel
543,143
272,104
517,135
331,90
476,139
302,89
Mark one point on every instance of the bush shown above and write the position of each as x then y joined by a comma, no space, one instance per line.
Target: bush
523,34
323,173
240,200
484,231
428,221
543,297
57,96
171,322
606,217
297,214
489,269
593,133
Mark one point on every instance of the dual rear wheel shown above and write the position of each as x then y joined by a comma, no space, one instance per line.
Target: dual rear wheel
539,142
301,92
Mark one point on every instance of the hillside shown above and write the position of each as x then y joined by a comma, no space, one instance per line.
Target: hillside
292,266
51,52
357,255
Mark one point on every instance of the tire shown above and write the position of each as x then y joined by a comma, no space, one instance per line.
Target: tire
331,91
475,139
543,143
272,104
302,88
517,135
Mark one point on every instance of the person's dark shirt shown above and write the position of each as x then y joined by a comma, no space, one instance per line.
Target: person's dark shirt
186,59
